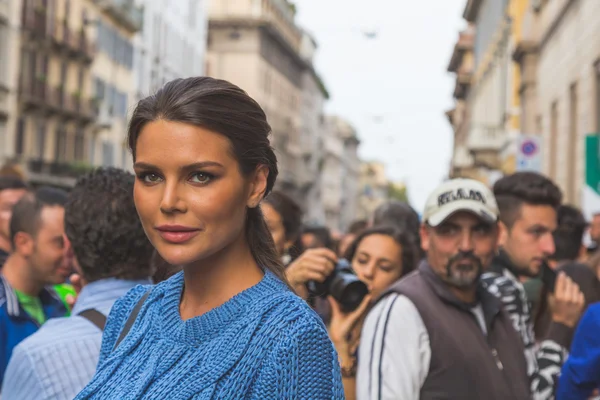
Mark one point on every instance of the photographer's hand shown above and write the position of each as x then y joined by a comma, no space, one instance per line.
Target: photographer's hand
342,326
313,265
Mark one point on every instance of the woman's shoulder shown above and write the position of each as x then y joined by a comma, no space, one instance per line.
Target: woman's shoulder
290,311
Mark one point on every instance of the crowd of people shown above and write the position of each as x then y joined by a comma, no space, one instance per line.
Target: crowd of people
193,279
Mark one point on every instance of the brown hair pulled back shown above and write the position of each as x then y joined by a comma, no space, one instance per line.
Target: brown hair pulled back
223,108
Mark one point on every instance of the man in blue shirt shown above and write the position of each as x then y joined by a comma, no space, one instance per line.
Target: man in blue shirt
37,261
112,255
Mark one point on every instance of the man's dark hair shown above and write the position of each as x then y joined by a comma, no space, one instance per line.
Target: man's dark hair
568,237
357,227
512,191
11,182
26,213
104,229
323,235
401,215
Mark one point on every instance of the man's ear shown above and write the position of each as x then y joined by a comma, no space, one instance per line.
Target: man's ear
24,244
503,234
424,233
258,186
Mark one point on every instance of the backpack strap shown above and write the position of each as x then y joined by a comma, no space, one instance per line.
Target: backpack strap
95,317
131,320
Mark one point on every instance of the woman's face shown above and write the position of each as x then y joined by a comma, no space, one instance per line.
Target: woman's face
275,224
378,262
189,192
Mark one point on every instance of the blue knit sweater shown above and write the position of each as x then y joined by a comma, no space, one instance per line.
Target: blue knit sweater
265,343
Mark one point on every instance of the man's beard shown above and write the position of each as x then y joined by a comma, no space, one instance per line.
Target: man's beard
463,270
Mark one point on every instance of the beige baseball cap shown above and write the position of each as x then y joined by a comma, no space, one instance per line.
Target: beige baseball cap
460,195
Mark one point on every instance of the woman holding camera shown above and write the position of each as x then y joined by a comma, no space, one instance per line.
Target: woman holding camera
379,256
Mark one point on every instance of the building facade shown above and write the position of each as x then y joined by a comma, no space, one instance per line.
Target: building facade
171,44
373,188
312,136
340,174
559,55
71,61
113,80
9,54
256,45
55,108
491,108
461,65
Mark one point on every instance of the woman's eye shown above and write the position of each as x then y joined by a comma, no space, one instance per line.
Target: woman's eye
150,178
201,177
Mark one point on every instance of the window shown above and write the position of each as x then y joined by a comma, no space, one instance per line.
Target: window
40,138
64,69
108,154
2,137
92,156
79,144
4,32
553,139
80,79
99,89
572,143
60,150
123,157
20,139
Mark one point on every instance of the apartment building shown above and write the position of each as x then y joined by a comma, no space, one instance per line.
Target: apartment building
257,45
559,56
114,83
171,44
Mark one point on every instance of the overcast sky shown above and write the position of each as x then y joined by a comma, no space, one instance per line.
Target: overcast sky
394,89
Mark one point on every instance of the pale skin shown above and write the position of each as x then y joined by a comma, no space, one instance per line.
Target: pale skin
39,260
187,176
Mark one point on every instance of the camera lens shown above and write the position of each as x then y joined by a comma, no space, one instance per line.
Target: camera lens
348,290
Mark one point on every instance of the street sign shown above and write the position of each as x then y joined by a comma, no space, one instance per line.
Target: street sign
529,153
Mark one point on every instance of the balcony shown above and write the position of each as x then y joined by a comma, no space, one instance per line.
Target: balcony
486,144
56,173
36,93
85,108
73,44
35,21
130,16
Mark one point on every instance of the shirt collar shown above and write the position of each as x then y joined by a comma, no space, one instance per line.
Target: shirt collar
101,294
47,296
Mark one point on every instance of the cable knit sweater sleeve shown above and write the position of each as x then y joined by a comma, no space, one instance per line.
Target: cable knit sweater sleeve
303,365
116,320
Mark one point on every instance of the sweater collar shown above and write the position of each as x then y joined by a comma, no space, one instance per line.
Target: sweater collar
210,324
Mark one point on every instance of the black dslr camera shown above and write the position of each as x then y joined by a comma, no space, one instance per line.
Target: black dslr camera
343,285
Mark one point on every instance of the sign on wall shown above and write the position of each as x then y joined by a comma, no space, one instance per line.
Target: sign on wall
529,153
591,190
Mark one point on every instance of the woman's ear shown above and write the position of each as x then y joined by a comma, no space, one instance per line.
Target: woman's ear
258,186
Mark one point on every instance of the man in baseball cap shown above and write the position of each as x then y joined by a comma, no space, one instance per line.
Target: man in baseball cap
438,332
460,195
